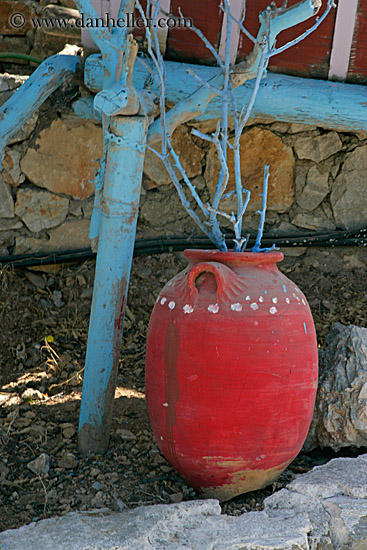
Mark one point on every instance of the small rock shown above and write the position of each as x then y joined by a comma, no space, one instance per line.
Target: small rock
281,127
30,414
294,252
4,470
112,477
57,298
68,460
87,293
94,472
159,459
176,497
40,465
68,432
10,82
22,422
97,486
81,280
37,280
117,504
353,262
126,435
75,208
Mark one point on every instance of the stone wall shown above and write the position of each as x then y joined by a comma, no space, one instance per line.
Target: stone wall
317,180
38,42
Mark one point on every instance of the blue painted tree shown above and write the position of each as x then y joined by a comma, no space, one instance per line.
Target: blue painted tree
272,21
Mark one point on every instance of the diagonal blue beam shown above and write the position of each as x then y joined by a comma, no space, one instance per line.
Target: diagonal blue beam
39,86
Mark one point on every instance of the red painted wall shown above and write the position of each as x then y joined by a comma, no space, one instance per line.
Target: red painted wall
185,45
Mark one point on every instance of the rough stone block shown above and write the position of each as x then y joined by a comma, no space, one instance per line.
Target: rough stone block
348,196
71,235
190,525
296,128
9,7
69,30
40,209
15,44
289,504
10,82
315,189
340,476
25,244
7,224
348,523
65,158
314,222
6,200
340,417
46,44
11,167
26,130
258,148
318,148
190,155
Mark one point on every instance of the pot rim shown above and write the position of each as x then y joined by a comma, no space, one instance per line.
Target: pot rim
233,257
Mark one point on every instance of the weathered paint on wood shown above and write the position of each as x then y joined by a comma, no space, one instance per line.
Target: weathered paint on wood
39,86
120,205
309,58
358,60
291,99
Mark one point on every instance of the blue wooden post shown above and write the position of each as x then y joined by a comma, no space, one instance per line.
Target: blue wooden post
120,203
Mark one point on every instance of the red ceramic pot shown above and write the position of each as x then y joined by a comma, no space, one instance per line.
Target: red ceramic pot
231,371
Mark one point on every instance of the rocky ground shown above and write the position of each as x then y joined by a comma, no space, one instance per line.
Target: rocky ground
44,322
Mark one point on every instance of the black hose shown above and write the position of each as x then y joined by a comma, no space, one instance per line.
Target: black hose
159,245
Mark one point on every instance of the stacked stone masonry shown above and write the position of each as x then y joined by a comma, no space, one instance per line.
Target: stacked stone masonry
317,176
325,509
27,38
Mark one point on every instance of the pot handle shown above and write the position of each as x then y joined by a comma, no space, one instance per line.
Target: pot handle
228,282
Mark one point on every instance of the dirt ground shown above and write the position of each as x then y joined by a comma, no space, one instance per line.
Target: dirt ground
43,336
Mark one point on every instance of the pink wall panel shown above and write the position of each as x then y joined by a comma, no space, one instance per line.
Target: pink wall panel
358,60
